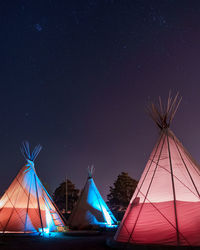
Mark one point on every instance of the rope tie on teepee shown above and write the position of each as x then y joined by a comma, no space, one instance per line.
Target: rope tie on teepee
30,157
25,149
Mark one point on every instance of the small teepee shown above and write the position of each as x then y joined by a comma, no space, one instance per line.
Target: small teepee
165,207
26,207
91,210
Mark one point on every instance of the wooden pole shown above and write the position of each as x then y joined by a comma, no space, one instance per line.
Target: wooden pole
66,193
174,191
38,203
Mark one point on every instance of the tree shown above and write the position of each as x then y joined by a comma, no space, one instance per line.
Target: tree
121,192
59,196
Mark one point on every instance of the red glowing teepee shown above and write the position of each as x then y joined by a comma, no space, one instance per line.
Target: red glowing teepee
26,207
165,207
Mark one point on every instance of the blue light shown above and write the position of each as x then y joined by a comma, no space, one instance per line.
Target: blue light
49,219
29,183
44,230
104,224
107,216
95,200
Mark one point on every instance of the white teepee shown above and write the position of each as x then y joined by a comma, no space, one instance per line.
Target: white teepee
91,210
26,207
165,207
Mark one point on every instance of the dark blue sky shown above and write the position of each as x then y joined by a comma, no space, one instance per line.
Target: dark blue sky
75,76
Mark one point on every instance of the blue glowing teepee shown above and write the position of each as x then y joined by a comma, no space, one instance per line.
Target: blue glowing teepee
26,207
91,210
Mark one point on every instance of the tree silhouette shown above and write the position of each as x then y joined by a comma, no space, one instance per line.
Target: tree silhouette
121,192
59,196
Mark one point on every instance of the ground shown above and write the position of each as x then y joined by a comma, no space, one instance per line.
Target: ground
57,242
102,241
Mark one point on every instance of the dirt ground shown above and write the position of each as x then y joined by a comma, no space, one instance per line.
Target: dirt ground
57,242
74,242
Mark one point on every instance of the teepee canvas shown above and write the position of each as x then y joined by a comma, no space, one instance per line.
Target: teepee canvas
26,207
91,210
165,207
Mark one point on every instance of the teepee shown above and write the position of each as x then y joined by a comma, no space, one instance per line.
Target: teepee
91,210
26,207
165,207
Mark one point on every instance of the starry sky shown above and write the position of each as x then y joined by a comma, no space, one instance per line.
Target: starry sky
76,76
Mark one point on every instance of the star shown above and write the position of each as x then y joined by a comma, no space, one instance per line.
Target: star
38,27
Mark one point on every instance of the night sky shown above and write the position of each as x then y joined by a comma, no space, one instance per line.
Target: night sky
76,76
